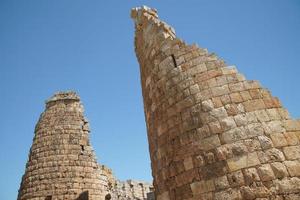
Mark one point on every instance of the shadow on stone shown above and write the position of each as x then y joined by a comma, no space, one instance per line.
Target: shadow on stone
83,196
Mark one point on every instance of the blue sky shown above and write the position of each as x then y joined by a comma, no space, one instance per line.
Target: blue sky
87,46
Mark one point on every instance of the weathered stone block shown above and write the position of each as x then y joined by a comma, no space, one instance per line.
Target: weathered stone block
292,125
244,161
293,167
201,187
265,172
265,142
278,140
236,178
279,169
221,182
254,105
229,194
250,175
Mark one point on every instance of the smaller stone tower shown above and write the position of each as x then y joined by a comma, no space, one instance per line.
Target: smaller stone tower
61,163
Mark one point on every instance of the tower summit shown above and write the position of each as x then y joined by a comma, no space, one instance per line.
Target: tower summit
61,163
212,133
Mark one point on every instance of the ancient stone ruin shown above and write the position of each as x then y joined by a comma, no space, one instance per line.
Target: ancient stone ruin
212,133
62,164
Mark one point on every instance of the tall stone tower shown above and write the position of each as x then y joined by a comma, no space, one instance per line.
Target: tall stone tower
212,134
62,164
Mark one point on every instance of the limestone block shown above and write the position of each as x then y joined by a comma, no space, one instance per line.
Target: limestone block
250,175
233,135
236,178
278,140
209,143
279,169
292,125
201,187
293,167
254,105
163,196
291,138
265,142
229,194
244,161
207,105
292,152
188,163
265,172
247,193
221,182
227,123
262,116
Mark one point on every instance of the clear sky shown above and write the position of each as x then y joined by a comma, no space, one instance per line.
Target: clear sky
87,46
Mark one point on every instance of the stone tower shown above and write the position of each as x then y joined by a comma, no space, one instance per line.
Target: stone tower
61,163
212,133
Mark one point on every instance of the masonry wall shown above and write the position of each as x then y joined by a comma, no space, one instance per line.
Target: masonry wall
212,133
61,163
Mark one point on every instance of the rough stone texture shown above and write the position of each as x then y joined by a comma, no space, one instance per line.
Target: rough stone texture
212,133
62,164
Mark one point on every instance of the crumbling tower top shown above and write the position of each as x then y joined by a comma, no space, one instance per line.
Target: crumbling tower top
67,95
146,18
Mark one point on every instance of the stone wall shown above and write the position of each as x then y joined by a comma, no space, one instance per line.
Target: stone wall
62,164
212,133
126,190
132,190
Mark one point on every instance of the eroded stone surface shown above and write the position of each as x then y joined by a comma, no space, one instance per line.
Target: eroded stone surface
222,136
62,163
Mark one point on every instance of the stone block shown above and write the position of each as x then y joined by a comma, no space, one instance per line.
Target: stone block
220,90
291,138
250,175
278,140
273,114
227,123
276,126
188,163
215,127
292,125
246,95
292,152
279,170
265,172
262,116
233,135
207,105
255,129
244,161
236,87
163,196
265,142
293,167
229,194
221,183
217,102
201,187
247,193
219,113
240,119
236,97
236,178
194,89
253,105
